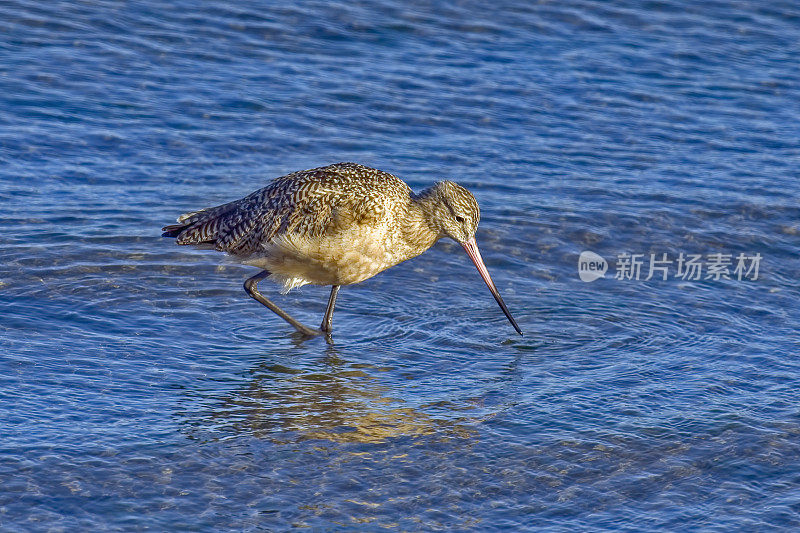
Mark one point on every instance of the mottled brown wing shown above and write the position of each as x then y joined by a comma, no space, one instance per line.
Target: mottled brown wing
311,203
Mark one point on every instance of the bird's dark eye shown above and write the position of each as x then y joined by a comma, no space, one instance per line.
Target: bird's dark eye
460,219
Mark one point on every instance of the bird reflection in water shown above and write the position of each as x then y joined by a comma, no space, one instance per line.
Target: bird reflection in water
336,401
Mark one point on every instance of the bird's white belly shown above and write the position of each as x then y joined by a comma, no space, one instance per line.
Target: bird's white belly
344,258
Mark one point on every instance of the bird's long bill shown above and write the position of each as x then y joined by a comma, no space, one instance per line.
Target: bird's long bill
471,248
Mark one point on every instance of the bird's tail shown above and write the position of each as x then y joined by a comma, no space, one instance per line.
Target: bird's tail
198,227
173,230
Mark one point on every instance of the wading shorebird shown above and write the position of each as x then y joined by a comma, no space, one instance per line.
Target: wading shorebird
335,225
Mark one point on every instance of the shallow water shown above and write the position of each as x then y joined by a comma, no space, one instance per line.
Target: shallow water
141,387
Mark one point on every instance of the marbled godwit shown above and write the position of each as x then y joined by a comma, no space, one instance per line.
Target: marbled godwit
335,225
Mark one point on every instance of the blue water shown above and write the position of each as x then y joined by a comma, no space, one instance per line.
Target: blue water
141,387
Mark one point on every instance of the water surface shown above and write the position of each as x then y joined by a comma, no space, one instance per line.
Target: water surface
141,388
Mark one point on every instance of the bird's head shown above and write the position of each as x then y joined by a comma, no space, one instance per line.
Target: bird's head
455,211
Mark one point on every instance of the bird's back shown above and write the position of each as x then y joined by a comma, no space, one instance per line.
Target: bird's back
308,203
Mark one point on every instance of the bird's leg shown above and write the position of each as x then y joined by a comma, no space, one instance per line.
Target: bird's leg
251,286
328,318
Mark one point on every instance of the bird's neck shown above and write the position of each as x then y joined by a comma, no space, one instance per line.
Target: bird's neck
420,232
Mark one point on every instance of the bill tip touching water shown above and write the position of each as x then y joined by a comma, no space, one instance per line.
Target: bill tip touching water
335,225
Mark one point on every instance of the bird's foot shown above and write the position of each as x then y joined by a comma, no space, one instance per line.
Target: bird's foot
306,332
309,332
